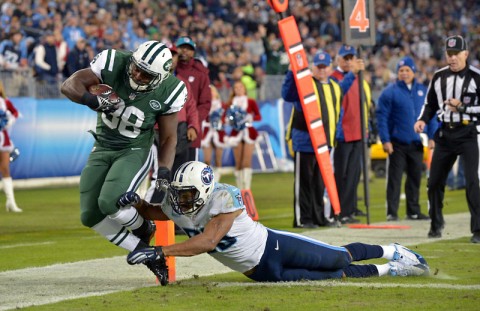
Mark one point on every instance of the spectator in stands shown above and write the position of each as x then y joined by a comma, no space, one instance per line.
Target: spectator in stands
8,116
277,60
62,50
241,112
196,74
213,141
245,74
72,32
46,66
13,62
77,59
348,151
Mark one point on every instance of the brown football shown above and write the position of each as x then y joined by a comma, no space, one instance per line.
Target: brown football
105,91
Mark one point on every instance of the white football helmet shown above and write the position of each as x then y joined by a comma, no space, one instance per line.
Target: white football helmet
191,187
153,59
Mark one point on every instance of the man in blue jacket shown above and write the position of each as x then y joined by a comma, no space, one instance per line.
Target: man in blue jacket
398,108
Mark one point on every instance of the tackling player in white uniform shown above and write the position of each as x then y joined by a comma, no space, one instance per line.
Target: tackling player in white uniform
215,218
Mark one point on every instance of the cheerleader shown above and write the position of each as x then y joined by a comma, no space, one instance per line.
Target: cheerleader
241,112
213,140
8,116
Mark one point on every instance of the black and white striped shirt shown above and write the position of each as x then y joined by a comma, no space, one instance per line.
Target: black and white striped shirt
446,84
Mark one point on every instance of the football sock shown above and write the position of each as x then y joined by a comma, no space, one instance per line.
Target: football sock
128,217
116,233
383,269
361,251
388,251
360,271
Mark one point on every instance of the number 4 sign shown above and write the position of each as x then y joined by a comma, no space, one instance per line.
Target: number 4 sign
358,22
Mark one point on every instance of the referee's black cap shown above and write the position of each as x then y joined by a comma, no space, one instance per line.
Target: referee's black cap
456,43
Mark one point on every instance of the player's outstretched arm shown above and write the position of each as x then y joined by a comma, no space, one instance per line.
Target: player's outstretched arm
147,210
215,230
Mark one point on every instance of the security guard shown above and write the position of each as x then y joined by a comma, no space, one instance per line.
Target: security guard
453,95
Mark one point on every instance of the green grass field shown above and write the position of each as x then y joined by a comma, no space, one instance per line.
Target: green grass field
49,232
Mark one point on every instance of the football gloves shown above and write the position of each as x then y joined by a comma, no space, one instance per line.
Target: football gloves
128,199
162,184
143,255
102,103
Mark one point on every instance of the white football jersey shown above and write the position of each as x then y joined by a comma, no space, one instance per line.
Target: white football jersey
243,246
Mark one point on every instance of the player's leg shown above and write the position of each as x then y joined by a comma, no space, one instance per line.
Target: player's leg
129,169
91,183
153,178
293,257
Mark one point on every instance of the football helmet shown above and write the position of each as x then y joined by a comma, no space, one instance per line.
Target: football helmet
153,60
191,187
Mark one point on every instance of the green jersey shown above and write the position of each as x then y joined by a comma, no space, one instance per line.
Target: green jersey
131,125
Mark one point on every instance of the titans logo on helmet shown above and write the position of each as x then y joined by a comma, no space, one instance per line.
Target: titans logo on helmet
207,175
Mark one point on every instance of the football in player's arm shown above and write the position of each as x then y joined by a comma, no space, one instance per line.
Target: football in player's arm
215,218
130,91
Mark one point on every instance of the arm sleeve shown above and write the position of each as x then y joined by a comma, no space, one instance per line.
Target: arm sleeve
346,83
431,103
383,112
289,88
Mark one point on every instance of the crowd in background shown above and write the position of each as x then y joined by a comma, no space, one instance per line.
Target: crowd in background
55,38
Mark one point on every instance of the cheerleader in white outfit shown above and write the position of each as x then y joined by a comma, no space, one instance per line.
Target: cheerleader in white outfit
213,140
241,113
8,116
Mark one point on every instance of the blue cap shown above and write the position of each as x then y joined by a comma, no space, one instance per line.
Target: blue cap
322,58
185,40
407,61
347,50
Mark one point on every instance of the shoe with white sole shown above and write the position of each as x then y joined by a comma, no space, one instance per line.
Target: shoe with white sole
401,269
407,256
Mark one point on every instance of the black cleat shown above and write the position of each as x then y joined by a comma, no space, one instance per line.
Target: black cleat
146,231
160,270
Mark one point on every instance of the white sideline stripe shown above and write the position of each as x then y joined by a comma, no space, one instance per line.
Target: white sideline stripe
344,284
24,244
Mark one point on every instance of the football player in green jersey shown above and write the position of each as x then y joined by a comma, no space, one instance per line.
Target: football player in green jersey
121,156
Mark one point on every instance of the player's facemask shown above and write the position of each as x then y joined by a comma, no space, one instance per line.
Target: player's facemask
148,66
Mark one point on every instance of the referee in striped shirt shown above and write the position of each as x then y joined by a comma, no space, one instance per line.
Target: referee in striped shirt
453,95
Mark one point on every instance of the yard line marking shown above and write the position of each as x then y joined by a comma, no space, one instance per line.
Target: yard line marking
25,244
355,284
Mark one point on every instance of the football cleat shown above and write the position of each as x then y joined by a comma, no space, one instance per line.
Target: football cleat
401,269
146,232
160,269
407,256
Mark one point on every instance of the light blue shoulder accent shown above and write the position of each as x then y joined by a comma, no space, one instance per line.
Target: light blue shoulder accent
234,193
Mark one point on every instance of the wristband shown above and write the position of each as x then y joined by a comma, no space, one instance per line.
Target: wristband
163,173
90,100
462,108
